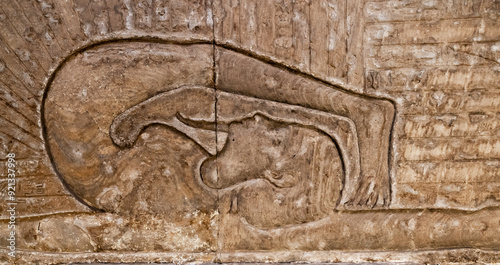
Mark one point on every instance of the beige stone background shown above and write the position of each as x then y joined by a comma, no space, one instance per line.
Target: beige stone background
438,59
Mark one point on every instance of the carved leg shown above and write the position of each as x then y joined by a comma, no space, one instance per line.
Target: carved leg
373,120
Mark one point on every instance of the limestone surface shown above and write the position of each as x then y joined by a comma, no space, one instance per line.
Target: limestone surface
224,131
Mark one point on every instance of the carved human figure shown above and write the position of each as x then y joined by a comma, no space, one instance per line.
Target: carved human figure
287,112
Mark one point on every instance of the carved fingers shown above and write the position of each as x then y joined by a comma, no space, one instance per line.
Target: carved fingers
166,108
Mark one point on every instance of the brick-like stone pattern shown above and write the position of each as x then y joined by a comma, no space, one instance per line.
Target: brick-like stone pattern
441,61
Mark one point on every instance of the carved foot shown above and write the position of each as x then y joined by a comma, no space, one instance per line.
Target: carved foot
372,192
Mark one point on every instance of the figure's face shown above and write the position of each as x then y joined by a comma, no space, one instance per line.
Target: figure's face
291,173
253,147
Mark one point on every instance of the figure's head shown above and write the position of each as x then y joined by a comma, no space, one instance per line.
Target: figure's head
300,165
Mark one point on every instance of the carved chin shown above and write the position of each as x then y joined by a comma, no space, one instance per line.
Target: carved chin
209,174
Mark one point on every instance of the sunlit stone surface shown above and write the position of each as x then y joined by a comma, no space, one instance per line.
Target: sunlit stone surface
225,131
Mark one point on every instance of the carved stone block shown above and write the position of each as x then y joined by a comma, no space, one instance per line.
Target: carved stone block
219,131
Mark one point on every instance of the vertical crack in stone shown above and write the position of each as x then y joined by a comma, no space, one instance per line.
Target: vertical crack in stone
310,41
214,76
346,26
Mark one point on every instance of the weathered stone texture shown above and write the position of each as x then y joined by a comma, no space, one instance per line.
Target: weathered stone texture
440,59
321,37
251,131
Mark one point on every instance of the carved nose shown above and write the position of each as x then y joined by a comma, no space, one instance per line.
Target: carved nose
209,174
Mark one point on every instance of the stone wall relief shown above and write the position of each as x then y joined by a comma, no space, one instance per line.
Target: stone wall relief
138,128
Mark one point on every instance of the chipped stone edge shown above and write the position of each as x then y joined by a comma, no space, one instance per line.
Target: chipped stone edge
423,256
